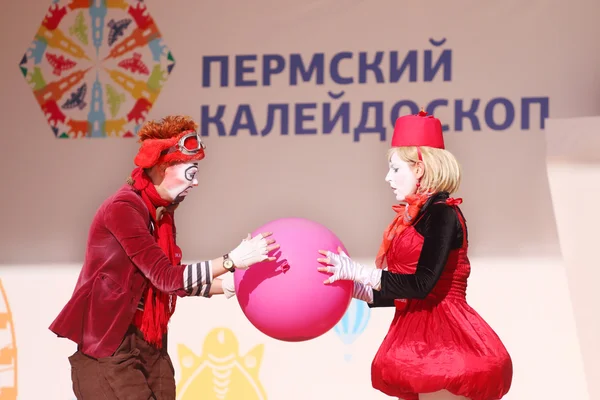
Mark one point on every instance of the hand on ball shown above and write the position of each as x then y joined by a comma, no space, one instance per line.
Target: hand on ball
343,268
253,250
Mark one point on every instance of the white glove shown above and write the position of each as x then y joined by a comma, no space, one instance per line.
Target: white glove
362,292
252,251
228,286
343,268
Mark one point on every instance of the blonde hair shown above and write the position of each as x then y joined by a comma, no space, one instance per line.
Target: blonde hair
442,170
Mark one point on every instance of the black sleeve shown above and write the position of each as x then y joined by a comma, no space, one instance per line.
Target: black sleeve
379,301
439,229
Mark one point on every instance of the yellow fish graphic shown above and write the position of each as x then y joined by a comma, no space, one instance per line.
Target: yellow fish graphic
220,373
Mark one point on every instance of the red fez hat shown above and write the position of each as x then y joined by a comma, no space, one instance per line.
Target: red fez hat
418,130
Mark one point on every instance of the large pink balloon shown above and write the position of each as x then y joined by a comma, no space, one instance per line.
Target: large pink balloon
286,298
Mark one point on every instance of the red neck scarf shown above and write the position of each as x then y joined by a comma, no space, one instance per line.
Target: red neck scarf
158,306
405,217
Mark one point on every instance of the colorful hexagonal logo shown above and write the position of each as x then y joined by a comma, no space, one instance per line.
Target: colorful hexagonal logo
96,67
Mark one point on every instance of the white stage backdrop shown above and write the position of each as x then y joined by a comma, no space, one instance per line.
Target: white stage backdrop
296,102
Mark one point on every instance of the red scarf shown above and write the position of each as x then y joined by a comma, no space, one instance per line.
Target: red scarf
158,306
405,217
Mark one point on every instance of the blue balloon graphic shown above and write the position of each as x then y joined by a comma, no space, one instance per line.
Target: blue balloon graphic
353,323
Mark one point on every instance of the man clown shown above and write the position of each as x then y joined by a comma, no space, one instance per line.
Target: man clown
132,274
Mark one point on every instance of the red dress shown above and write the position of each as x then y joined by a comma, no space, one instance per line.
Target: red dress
439,342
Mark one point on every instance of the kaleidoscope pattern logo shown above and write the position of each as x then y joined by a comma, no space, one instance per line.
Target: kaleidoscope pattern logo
96,67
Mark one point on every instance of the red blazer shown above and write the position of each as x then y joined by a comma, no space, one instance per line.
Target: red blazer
121,258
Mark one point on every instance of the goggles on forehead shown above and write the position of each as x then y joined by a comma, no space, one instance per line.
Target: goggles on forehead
189,144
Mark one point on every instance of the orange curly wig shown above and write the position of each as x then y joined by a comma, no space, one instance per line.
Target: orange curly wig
166,128
159,138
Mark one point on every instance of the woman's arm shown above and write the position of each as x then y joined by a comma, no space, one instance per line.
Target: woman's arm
439,231
371,297
379,301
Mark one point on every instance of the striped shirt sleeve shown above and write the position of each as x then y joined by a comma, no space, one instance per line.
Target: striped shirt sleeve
197,278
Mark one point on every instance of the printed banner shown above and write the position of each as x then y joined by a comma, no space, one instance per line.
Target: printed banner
338,74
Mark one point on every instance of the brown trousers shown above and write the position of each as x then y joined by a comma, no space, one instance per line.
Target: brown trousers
136,371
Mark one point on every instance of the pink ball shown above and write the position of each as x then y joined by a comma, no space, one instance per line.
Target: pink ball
286,298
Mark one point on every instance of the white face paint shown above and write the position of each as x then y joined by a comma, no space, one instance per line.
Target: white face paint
401,178
179,180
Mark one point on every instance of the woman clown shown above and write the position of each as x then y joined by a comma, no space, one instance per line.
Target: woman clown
437,346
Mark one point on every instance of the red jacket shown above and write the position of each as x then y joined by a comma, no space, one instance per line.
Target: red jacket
121,258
